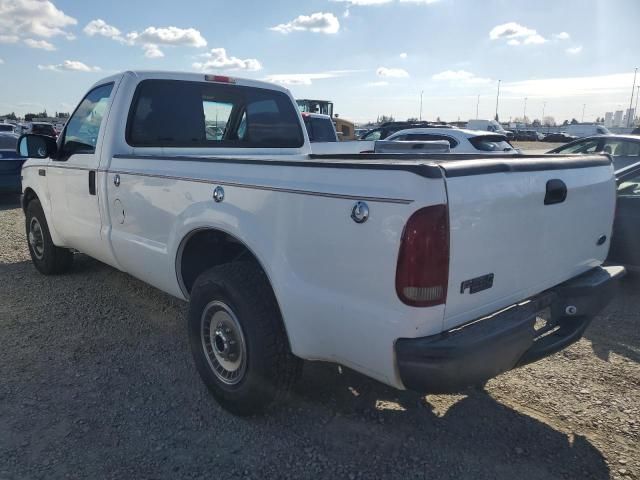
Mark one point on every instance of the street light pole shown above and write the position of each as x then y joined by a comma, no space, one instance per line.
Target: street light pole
637,95
631,101
524,113
584,105
497,98
544,106
478,106
421,92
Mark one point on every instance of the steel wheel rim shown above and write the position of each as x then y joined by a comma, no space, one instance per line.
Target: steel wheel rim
223,343
36,238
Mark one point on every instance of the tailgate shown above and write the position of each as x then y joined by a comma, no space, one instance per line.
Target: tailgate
507,244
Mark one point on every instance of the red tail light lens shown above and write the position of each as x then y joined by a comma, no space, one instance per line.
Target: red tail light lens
423,262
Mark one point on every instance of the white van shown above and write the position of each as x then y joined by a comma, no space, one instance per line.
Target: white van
486,125
586,129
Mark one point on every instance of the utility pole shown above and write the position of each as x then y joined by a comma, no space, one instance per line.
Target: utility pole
478,106
497,98
421,92
524,113
584,105
637,95
631,101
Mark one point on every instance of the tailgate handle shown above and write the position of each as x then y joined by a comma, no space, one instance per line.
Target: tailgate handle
556,192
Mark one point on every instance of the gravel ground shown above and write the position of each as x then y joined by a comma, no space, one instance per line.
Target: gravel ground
97,381
536,146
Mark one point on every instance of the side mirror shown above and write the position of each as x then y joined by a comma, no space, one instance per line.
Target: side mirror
36,146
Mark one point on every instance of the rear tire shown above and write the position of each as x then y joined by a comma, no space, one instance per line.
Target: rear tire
47,258
238,340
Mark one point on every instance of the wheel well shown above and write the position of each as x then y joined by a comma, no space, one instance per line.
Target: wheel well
205,249
28,195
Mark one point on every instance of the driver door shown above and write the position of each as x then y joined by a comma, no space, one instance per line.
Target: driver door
72,174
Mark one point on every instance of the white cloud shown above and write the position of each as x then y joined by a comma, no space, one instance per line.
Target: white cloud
318,22
70,66
150,38
516,34
561,36
569,86
403,55
187,37
422,2
510,30
41,44
534,39
102,28
39,18
217,59
152,51
9,38
382,83
574,50
305,78
392,72
459,76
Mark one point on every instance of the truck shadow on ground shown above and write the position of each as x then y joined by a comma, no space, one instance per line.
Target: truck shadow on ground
108,389
616,329
9,201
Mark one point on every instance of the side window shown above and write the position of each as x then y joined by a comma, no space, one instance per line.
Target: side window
216,117
375,135
168,113
587,146
620,148
81,133
630,187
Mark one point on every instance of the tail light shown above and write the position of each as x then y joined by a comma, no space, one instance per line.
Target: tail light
422,273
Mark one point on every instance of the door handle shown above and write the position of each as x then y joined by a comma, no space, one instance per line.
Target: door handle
116,180
92,182
556,192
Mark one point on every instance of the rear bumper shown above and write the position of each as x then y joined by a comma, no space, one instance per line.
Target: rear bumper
480,350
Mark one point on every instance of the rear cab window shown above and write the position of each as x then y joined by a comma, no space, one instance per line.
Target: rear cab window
169,113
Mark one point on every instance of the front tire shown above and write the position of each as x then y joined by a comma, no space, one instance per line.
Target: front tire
47,258
238,339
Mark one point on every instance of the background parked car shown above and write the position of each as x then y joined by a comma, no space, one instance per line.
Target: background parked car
460,140
625,149
587,129
10,164
528,136
560,137
7,128
383,131
319,127
625,242
43,129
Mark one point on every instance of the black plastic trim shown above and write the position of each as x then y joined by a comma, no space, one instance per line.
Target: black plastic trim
473,353
423,170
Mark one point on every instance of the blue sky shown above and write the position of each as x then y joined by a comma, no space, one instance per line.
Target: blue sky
371,57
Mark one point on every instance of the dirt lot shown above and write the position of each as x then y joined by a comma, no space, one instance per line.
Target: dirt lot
97,381
538,147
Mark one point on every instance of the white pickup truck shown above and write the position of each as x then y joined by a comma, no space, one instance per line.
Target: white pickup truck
426,272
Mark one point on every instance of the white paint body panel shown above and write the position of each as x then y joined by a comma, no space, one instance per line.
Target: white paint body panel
334,279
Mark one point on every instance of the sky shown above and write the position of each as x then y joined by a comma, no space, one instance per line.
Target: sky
370,57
